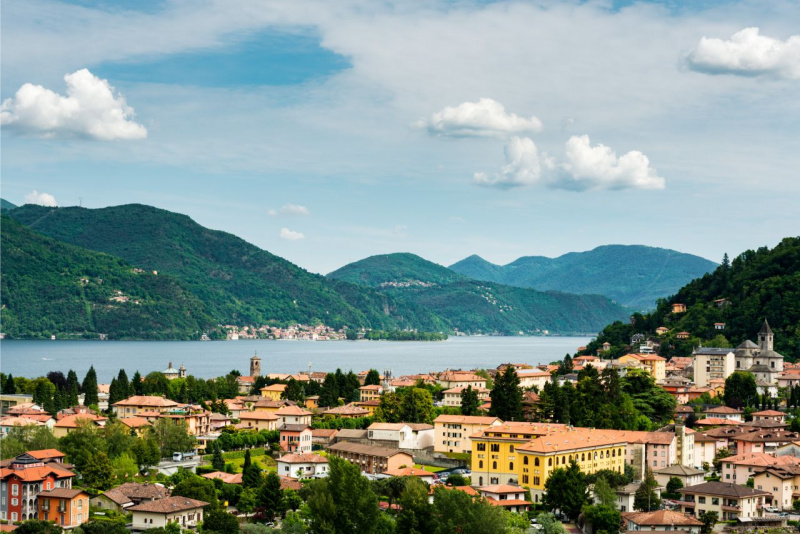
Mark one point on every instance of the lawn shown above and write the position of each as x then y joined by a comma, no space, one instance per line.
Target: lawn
429,468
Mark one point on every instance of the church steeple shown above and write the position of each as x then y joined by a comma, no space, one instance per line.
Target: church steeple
765,337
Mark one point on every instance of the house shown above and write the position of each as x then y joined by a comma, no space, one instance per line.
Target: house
425,476
533,378
129,494
142,403
712,363
682,335
258,421
512,498
156,514
218,421
136,424
661,330
296,438
348,411
371,459
226,478
452,432
758,440
245,383
9,423
370,393
302,465
270,405
402,435
654,364
769,415
293,415
312,402
323,437
23,478
198,420
69,423
661,520
738,469
626,495
724,412
781,482
370,406
352,435
682,412
9,400
730,501
452,396
273,392
689,476
67,507
460,379
678,308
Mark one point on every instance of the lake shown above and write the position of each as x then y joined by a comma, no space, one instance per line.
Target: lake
208,359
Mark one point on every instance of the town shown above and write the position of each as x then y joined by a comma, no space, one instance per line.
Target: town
635,443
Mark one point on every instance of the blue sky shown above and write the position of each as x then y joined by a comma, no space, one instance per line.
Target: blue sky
326,132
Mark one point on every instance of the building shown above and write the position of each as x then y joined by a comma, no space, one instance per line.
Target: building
302,465
512,498
370,393
226,478
296,438
626,496
23,479
654,364
9,400
142,403
661,520
129,494
371,459
769,415
323,437
689,476
679,308
171,373
782,482
156,514
461,379
425,476
712,363
452,432
730,501
273,392
725,412
67,424
738,469
293,415
402,435
452,397
533,378
255,366
258,421
348,411
67,507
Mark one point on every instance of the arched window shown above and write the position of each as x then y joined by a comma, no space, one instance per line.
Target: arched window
608,454
583,457
480,464
536,462
525,460
550,462
614,453
510,466
494,465
595,455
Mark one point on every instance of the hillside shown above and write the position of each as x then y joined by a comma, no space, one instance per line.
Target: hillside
473,306
237,282
6,205
633,275
50,287
756,285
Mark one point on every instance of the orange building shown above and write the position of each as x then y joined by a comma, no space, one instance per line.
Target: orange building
68,508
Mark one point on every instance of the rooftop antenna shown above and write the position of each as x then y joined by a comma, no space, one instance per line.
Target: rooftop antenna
80,202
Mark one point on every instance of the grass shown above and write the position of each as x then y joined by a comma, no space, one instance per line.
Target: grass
429,468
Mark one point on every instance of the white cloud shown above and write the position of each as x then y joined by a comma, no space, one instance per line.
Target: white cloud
294,209
291,235
272,212
584,167
483,118
748,53
42,199
90,109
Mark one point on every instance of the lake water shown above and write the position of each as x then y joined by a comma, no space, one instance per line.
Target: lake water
207,359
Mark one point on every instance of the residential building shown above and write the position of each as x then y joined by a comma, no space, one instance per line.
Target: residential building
273,392
296,438
258,421
452,397
461,379
21,481
302,465
626,496
729,501
67,424
323,437
371,459
129,494
293,415
425,476
157,514
724,412
452,432
348,411
712,363
142,403
9,400
370,393
654,364
782,482
661,520
738,469
758,440
402,435
769,415
689,476
512,498
226,478
530,378
66,507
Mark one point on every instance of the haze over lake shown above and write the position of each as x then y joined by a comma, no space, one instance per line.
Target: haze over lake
215,358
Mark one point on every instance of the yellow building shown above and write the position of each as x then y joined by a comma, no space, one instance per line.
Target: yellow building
452,432
655,365
593,450
274,391
143,403
494,456
370,393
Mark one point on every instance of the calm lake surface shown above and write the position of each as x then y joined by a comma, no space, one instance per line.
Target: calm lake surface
207,359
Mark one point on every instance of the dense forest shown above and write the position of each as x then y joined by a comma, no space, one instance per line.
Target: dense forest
725,307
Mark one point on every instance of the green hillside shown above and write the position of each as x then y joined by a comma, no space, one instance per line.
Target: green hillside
52,288
6,205
473,306
757,285
633,275
238,282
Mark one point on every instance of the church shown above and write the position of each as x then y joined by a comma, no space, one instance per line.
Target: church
761,359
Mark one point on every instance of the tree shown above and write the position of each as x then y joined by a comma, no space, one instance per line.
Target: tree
415,514
469,401
220,522
84,441
198,488
270,497
124,467
506,396
373,378
293,524
549,524
457,480
646,499
146,452
118,438
603,518
217,461
89,388
73,388
673,485
709,519
97,526
721,454
136,383
34,526
455,511
9,386
565,490
343,502
740,390
329,393
247,501
603,492
171,437
98,472
294,391
251,476
416,406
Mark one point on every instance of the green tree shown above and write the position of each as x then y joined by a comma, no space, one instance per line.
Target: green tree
89,388
118,438
97,526
389,409
416,406
455,511
740,390
415,516
270,497
457,480
721,455
646,499
220,522
506,396
293,524
603,518
217,461
294,391
469,401
549,524
673,485
343,502
565,490
146,451
124,467
604,493
84,441
709,519
171,436
198,488
329,392
9,387
247,501
373,378
34,526
98,472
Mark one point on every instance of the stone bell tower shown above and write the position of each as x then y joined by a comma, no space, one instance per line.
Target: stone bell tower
255,366
765,337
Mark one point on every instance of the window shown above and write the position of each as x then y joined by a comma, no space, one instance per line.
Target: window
510,466
583,457
715,501
525,460
550,462
614,453
536,462
495,447
482,447
525,479
494,465
510,448
701,500
480,464
14,489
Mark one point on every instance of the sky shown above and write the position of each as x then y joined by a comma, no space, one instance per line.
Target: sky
326,132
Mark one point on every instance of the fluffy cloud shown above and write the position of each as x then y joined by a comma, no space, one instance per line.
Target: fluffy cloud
90,109
483,118
584,167
748,53
43,199
294,209
290,235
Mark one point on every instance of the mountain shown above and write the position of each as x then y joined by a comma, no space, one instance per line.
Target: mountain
725,307
633,275
6,205
237,282
50,287
474,306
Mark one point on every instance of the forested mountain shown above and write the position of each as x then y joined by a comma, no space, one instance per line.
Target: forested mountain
756,285
470,305
50,287
633,275
6,205
237,282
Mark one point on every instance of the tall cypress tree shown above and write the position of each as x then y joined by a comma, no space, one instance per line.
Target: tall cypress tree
10,387
72,390
507,396
124,384
136,383
90,388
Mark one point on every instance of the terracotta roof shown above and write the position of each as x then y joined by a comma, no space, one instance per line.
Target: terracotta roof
410,472
501,488
134,490
147,400
770,413
576,439
399,426
134,422
292,410
117,497
71,421
168,505
368,450
764,436
466,419
717,421
33,474
323,432
293,428
227,478
459,390
62,493
347,409
723,489
290,483
680,470
372,387
47,454
507,502
303,459
724,409
661,517
684,409
258,416
275,387
8,528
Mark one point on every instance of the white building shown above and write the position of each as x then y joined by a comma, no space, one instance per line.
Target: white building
302,465
529,378
712,363
404,435
156,514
